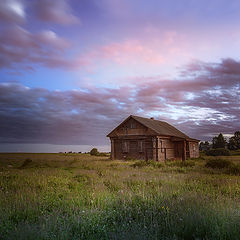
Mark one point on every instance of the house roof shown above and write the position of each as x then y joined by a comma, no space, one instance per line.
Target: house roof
160,127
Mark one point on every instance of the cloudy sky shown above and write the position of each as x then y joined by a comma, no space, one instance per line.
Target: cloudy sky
72,70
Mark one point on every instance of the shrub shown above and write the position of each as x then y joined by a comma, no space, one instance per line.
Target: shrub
235,153
218,163
94,152
233,169
218,152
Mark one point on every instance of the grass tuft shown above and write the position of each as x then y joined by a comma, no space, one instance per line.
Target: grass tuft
218,163
233,169
142,163
26,162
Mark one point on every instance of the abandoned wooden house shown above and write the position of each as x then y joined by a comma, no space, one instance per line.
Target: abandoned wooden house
144,138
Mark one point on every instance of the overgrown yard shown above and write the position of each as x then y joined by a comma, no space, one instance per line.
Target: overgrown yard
77,196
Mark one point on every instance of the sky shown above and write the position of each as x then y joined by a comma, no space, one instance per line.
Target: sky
71,71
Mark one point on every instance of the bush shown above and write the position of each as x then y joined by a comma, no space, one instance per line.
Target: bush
218,152
235,153
218,163
94,152
233,169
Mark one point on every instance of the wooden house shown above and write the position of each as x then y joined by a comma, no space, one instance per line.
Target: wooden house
144,138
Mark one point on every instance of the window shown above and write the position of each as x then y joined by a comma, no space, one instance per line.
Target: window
132,125
125,147
140,146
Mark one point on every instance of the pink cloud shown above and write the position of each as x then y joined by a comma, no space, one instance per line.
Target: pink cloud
125,53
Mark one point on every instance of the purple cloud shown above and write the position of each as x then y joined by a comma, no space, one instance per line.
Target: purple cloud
57,11
20,49
12,11
201,106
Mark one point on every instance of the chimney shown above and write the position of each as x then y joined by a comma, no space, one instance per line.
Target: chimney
152,118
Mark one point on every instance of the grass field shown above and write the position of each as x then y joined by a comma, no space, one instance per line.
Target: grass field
77,196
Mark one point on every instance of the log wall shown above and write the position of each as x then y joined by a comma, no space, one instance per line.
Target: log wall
132,148
193,149
165,149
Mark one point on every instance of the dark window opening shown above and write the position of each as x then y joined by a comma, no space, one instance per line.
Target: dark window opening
132,125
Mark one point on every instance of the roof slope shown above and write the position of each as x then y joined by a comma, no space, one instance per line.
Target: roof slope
160,127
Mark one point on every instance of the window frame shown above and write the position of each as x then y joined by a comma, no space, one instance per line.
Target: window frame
125,146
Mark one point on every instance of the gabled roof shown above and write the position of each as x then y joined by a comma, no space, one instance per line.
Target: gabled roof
159,127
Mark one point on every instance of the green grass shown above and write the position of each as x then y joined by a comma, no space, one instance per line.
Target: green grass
78,196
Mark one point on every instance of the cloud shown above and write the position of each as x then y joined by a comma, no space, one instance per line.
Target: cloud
132,51
50,38
57,11
54,117
202,106
21,49
12,11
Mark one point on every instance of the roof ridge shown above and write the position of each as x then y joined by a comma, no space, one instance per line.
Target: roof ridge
148,118
165,127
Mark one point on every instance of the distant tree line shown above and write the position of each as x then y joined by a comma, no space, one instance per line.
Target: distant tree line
219,142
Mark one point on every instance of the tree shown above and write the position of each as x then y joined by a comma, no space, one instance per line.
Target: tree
234,142
94,152
219,141
237,139
201,146
232,145
204,146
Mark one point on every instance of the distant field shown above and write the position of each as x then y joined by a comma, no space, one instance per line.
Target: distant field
77,196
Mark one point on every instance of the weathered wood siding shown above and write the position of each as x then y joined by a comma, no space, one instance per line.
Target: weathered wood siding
178,148
132,140
193,149
165,149
131,128
132,148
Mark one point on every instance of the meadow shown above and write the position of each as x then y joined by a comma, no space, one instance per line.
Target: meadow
78,196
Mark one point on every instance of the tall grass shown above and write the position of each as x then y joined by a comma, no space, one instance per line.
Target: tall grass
95,198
